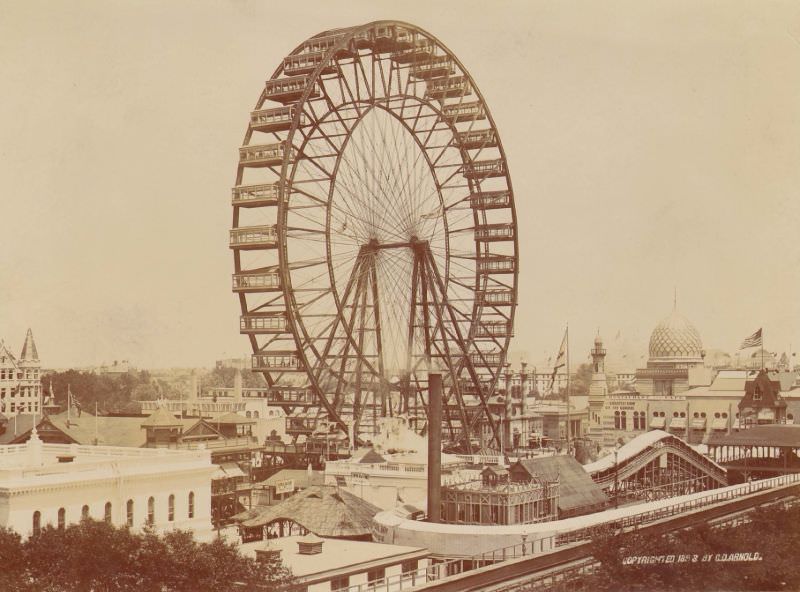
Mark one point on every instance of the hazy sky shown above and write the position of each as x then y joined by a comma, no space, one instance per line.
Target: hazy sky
651,145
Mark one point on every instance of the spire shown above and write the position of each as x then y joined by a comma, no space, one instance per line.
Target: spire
29,353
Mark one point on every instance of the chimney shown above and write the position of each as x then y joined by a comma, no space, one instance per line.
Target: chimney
268,554
434,447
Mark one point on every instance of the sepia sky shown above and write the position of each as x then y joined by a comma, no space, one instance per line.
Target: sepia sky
651,146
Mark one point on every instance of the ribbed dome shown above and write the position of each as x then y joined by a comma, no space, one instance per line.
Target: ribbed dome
675,337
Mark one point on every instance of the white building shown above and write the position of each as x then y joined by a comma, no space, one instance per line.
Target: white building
20,379
61,483
338,565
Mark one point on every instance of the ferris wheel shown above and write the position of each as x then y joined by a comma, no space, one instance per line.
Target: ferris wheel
374,234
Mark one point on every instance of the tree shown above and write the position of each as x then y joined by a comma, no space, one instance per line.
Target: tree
98,557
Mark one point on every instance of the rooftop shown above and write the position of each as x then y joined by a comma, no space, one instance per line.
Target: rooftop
760,435
336,554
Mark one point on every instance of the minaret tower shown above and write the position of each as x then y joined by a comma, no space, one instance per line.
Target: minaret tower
597,390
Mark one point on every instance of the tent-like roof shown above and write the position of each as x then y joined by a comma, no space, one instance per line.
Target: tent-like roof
322,509
577,493
300,477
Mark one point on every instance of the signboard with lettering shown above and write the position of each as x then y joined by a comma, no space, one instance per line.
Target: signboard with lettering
285,486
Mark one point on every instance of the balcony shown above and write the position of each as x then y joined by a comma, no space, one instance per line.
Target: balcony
279,361
494,329
497,264
434,67
464,112
289,90
264,155
252,196
306,63
274,120
477,139
421,50
451,86
494,232
490,200
254,237
257,282
485,168
496,298
261,323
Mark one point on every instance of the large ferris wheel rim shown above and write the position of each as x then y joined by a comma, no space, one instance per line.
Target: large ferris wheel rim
347,36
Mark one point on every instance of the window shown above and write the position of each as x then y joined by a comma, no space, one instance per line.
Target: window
724,416
129,513
716,415
375,576
675,414
37,523
191,504
247,414
255,414
696,415
151,510
107,513
171,508
624,421
617,422
410,565
683,414
62,518
84,512
340,583
703,414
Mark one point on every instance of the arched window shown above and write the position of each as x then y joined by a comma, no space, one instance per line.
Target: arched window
703,414
617,422
37,523
129,513
62,518
191,504
255,414
716,415
683,414
107,514
247,414
171,508
724,416
624,421
151,510
790,417
84,512
696,415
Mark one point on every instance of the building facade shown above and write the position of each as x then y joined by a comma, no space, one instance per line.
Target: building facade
60,484
20,379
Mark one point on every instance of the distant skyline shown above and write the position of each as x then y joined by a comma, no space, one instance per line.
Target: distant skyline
651,146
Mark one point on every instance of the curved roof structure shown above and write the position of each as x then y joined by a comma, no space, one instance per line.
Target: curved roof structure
675,338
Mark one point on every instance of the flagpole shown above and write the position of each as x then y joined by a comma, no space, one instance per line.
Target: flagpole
568,394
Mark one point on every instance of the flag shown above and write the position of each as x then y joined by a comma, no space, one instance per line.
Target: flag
561,360
753,341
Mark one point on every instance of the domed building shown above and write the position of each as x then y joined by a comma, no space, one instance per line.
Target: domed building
675,346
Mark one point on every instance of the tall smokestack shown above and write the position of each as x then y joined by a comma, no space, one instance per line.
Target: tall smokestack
434,447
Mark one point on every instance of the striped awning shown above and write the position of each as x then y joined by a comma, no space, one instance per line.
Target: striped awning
719,423
677,423
699,423
658,423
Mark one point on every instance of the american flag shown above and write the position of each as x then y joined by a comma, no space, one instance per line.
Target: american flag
753,341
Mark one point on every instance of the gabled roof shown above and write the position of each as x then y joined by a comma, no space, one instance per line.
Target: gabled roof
322,509
6,353
161,417
231,418
29,353
111,431
300,477
577,493
372,457
760,435
17,426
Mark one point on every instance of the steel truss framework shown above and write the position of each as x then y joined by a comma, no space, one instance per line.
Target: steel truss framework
374,232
